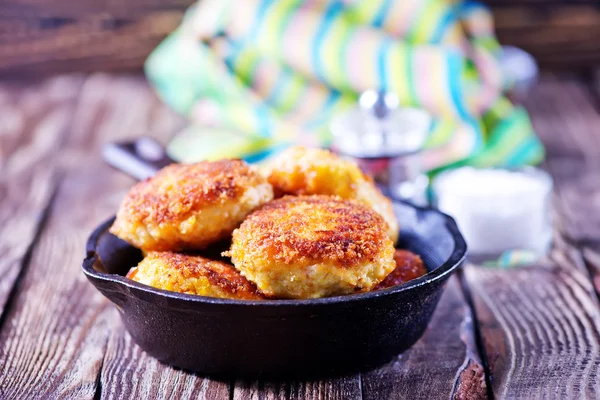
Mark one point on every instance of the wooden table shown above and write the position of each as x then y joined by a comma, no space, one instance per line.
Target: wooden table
521,333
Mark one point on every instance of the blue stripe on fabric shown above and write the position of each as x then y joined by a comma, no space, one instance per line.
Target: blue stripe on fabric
382,13
261,155
330,13
325,112
524,154
252,35
446,22
282,81
258,21
382,69
233,55
263,118
465,7
455,74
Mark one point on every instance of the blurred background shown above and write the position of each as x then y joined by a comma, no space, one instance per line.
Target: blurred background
57,36
212,79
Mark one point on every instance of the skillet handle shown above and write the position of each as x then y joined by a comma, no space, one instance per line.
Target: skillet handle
140,158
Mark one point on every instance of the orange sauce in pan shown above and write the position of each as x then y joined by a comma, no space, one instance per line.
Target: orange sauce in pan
409,266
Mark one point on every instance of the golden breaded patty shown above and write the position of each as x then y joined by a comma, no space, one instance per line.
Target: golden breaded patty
193,275
300,171
313,246
189,206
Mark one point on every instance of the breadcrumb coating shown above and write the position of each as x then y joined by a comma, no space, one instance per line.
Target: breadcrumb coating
305,171
189,206
313,246
193,274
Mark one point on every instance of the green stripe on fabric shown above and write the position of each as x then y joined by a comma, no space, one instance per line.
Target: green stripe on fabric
440,132
348,34
425,21
410,76
506,139
280,15
318,59
291,97
333,51
530,151
362,12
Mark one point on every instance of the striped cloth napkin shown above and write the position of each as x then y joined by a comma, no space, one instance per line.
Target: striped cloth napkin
258,75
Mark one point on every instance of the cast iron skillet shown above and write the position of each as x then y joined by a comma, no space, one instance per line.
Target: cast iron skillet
315,337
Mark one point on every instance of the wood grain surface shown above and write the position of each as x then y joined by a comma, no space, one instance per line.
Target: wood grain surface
541,330
533,332
336,389
31,132
540,325
457,372
565,115
560,35
42,37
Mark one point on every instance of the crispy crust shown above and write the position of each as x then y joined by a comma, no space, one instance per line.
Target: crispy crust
193,274
409,266
313,246
164,212
302,171
319,228
179,189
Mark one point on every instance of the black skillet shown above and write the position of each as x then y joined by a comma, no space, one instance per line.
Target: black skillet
281,337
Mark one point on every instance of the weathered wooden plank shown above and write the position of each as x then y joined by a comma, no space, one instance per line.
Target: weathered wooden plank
592,260
559,35
34,119
540,328
90,42
577,199
568,123
65,8
55,336
541,324
53,342
443,364
347,387
130,373
565,118
120,108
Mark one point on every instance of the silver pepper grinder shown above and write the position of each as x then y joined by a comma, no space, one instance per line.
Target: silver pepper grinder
386,141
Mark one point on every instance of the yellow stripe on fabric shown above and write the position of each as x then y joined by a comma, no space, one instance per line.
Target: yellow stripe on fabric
398,61
363,12
308,104
292,93
244,62
278,17
441,132
430,17
333,50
